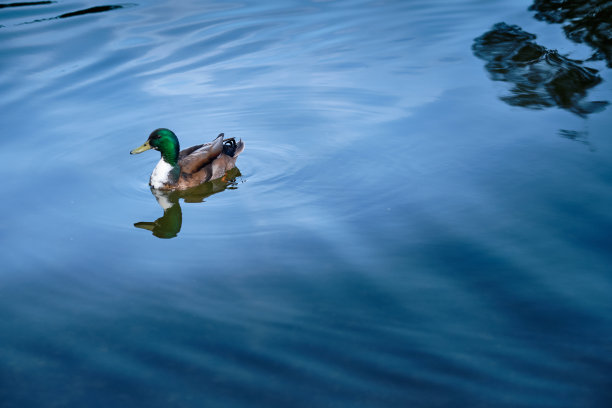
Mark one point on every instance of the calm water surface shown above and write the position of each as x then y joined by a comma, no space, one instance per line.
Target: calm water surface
421,216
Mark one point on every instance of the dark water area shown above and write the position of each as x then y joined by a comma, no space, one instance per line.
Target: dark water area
420,217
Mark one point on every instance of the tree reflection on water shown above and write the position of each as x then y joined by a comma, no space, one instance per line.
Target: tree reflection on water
541,77
586,21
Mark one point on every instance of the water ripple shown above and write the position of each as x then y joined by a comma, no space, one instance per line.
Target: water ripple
397,236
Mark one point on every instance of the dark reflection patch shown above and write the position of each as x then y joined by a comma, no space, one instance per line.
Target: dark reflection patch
585,21
91,10
541,78
28,3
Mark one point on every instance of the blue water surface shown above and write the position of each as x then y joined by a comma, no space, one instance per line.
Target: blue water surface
421,216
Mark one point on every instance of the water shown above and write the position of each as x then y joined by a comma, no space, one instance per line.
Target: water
420,216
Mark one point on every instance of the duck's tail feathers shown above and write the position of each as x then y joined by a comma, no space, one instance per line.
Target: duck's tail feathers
239,148
233,148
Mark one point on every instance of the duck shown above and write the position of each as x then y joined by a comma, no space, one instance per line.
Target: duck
183,169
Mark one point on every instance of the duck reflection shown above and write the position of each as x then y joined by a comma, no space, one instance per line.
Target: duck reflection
169,224
542,78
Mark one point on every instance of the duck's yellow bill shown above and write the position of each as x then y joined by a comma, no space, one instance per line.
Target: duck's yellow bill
145,225
146,146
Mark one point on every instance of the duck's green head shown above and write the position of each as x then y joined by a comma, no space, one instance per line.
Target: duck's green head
164,141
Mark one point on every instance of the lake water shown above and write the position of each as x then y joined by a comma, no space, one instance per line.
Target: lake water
420,217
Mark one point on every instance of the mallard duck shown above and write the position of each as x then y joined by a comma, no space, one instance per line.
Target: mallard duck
180,170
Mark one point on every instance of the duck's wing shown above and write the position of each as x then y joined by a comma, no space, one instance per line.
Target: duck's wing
189,150
194,158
